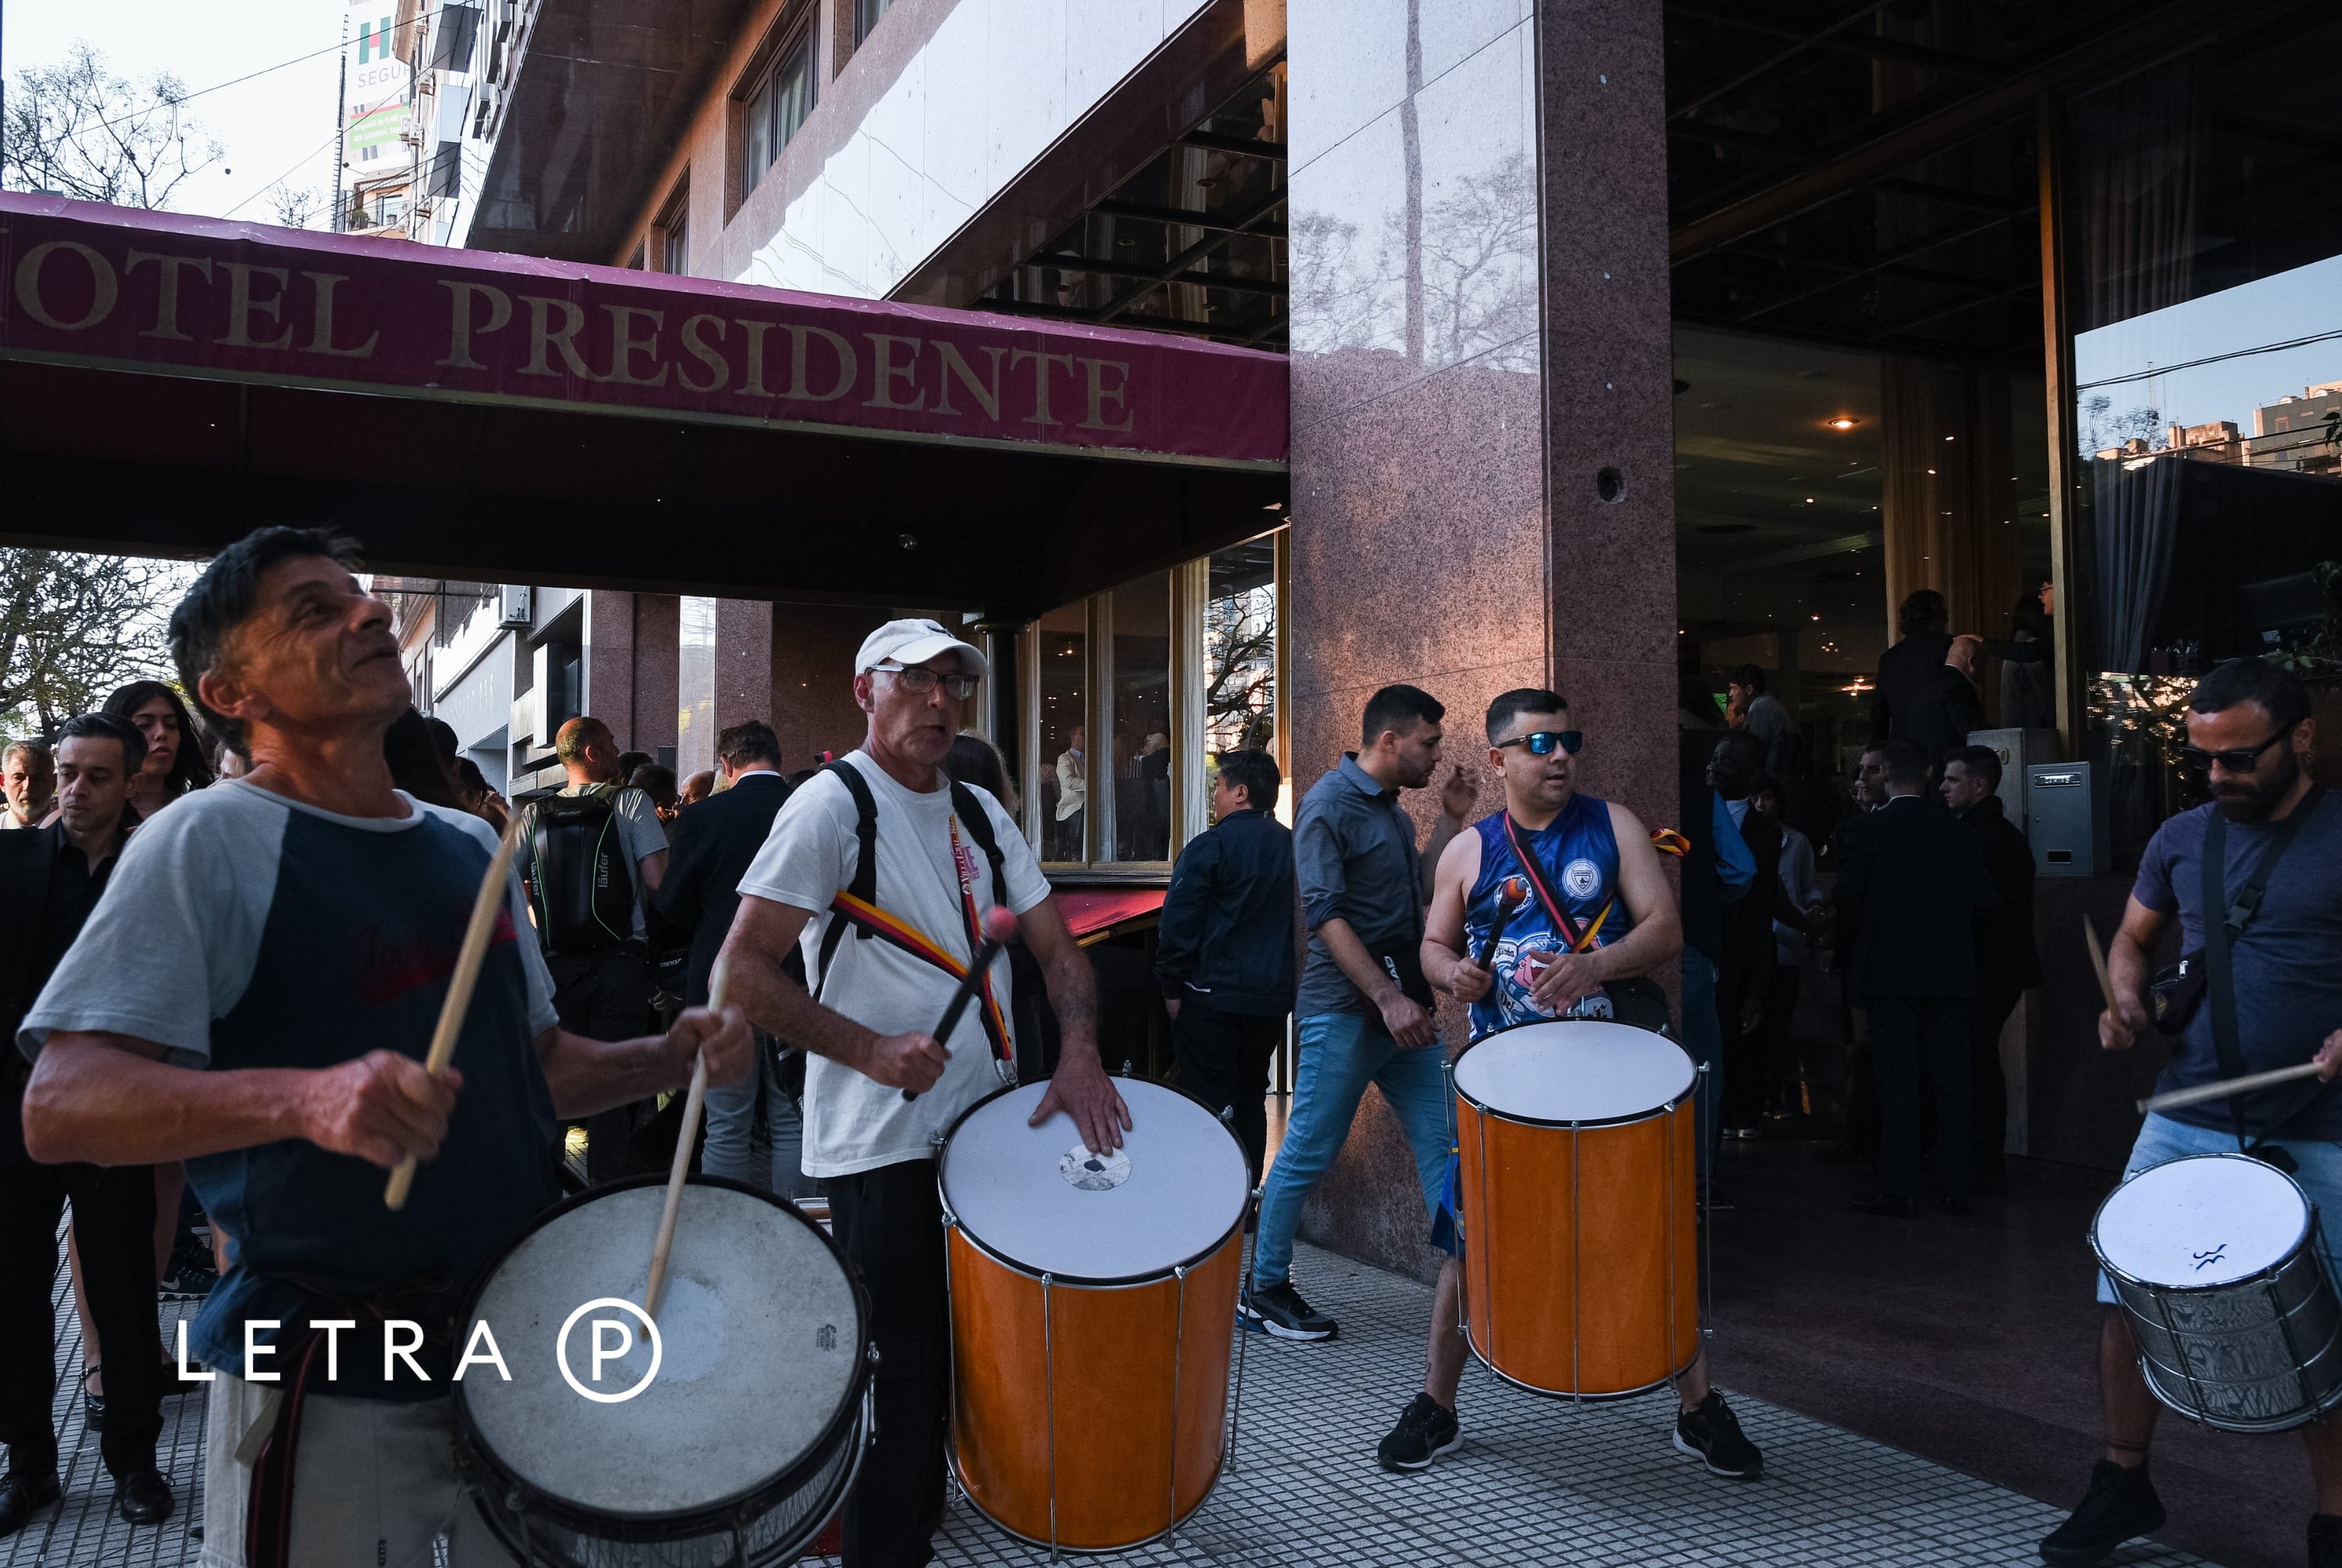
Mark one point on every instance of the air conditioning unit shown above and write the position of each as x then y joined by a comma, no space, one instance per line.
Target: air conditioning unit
513,608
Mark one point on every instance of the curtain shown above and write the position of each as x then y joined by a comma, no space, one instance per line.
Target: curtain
2137,504
2137,155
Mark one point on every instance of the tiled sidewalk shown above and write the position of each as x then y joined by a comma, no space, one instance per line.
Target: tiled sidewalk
1537,1482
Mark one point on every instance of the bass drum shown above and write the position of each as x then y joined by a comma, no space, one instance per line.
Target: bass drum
1091,1299
743,1442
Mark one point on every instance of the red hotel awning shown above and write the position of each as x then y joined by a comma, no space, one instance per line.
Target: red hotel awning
155,367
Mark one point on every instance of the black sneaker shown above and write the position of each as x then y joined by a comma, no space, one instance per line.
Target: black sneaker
1279,1310
189,1280
1426,1430
1711,1434
2324,1540
2121,1503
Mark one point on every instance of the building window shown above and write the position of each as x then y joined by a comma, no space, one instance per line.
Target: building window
1140,724
866,16
1059,687
776,107
672,231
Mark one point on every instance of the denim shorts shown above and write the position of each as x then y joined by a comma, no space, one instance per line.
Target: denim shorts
2162,1140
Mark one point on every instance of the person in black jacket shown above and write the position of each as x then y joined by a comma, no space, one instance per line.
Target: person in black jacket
1915,883
1745,954
2007,963
1224,951
714,843
54,876
1909,668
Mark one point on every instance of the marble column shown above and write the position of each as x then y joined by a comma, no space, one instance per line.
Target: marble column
812,679
609,654
744,661
657,626
1482,448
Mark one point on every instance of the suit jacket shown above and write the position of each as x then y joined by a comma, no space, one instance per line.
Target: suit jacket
1905,672
1914,882
714,839
2007,961
1940,715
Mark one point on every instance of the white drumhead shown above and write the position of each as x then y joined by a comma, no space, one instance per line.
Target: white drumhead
1036,1197
2203,1220
760,1338
1574,1069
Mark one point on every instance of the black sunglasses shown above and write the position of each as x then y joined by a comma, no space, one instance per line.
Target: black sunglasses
1542,743
2241,760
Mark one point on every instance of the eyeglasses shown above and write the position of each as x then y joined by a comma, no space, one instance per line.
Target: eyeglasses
1543,743
920,681
2241,760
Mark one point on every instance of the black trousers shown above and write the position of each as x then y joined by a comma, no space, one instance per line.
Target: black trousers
889,1223
1919,1045
1224,1062
605,996
113,1222
1745,1078
1987,1084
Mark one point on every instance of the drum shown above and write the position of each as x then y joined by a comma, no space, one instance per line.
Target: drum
1093,1300
2216,1261
1575,1162
745,1440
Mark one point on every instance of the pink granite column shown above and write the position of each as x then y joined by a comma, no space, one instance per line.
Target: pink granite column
1481,449
812,679
657,627
610,662
744,661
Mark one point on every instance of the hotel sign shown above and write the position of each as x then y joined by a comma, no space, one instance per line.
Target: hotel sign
169,294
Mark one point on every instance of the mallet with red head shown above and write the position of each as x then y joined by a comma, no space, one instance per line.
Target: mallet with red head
1509,897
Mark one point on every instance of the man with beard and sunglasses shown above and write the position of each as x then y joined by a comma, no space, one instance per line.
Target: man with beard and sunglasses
2250,734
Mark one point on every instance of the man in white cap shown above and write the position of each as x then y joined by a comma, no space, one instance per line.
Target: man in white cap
883,869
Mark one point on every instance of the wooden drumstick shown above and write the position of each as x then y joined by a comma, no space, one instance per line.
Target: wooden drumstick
998,927
694,1100
1509,897
468,959
2243,1086
2098,963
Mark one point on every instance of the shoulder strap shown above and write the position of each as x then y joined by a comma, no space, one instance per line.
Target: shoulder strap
979,823
2224,929
864,883
1573,934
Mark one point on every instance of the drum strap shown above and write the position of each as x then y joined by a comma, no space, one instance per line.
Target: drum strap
1581,938
2225,924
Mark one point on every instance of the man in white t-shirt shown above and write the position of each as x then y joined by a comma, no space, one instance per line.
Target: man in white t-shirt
864,1029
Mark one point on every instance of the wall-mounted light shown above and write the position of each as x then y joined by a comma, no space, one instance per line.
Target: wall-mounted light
1843,422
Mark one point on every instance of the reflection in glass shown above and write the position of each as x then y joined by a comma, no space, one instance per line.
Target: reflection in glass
1240,652
695,720
1142,753
1062,654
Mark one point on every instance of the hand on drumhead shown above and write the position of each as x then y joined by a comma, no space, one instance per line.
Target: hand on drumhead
1467,982
2329,1055
1082,1090
724,1038
915,1061
2117,1030
382,1107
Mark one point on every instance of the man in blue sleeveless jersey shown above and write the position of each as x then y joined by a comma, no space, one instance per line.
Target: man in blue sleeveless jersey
1587,959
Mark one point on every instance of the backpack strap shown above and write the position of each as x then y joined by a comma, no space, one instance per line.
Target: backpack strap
979,823
864,883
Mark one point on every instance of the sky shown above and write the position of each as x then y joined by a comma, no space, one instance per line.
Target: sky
2274,309
279,122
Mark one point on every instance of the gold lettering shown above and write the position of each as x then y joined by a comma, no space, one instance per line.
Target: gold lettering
242,305
953,365
459,333
1100,391
624,346
322,342
848,366
1041,363
542,336
754,387
704,352
885,371
166,298
101,274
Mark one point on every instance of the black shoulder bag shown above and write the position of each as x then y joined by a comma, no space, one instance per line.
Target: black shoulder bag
2225,924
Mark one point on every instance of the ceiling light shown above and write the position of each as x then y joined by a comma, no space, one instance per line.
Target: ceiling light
1843,422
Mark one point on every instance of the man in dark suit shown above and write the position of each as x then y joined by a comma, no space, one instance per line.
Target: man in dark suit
1909,672
2007,963
1914,882
714,843
1944,711
1745,954
53,877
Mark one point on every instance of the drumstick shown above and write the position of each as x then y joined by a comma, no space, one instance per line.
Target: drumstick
2243,1086
2098,963
1509,897
694,1100
468,959
998,927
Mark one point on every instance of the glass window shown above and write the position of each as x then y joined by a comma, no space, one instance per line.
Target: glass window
1143,752
778,106
1062,663
696,687
674,243
1240,652
866,16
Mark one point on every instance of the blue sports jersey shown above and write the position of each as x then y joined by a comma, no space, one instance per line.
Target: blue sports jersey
1578,853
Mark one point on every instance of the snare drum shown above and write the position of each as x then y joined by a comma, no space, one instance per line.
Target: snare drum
1093,1299
747,1438
2215,1260
1575,1162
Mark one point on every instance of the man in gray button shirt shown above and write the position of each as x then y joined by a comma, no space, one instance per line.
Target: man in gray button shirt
1365,1008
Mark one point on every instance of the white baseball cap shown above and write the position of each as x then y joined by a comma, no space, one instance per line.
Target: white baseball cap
915,642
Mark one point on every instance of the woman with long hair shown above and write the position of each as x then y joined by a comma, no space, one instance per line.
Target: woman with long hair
176,749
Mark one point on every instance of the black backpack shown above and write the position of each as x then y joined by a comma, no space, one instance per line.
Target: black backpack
578,874
864,883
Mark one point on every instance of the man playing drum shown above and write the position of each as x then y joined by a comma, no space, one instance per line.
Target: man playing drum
2249,733
884,845
321,910
1586,960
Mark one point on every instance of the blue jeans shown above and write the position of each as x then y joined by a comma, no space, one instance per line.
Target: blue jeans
732,1116
1341,1053
1703,1041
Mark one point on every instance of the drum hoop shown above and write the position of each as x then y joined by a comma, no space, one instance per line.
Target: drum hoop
1082,1282
2267,1272
1674,1104
719,1514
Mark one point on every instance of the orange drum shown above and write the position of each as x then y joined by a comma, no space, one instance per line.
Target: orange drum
1092,1300
1576,1148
